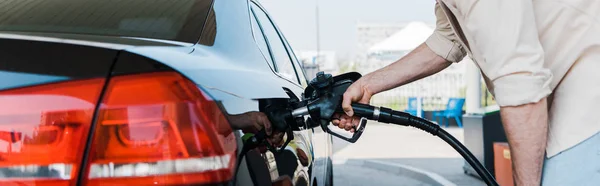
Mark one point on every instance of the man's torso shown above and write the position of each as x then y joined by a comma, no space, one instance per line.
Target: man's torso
569,32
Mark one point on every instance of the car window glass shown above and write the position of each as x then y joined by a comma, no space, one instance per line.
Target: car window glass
159,19
301,75
297,65
283,63
260,40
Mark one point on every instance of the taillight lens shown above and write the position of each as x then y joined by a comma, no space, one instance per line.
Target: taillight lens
159,128
43,131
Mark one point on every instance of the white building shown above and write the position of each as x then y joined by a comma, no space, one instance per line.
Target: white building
370,34
395,46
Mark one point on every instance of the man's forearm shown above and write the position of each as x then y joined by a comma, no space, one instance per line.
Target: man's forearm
419,63
526,127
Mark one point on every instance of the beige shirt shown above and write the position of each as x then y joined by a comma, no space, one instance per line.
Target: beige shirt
528,50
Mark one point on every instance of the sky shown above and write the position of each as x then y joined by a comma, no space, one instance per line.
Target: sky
338,20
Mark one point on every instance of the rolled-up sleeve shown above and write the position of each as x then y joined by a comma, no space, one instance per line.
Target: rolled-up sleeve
444,41
505,35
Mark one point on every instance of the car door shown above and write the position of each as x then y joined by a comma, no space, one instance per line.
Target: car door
286,65
275,50
322,143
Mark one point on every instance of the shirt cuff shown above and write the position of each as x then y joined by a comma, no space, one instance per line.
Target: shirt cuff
522,88
445,48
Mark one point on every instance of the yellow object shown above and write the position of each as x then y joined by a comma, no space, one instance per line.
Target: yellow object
507,154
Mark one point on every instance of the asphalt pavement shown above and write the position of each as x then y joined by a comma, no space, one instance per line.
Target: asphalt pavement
395,155
354,175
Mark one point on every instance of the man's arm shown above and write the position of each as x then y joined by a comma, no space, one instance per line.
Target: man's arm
526,128
419,63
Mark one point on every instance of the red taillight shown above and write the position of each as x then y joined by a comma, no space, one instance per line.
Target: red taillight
159,128
43,131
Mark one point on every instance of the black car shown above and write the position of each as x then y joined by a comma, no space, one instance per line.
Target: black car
145,92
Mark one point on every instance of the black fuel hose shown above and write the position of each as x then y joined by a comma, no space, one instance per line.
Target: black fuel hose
386,115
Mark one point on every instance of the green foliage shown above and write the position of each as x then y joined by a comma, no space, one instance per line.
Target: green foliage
486,97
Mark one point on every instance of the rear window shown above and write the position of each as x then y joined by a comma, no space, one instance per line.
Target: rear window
179,20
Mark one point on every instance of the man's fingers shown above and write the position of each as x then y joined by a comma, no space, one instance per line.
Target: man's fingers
262,122
348,127
335,122
342,123
344,120
267,125
355,121
335,119
347,104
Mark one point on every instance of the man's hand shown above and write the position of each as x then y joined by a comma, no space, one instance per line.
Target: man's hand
526,127
357,92
253,122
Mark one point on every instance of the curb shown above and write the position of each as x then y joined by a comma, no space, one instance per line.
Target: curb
405,170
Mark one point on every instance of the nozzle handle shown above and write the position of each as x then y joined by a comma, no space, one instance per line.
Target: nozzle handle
355,136
360,110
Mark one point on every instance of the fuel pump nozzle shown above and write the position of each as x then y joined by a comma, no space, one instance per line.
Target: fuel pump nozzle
324,98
